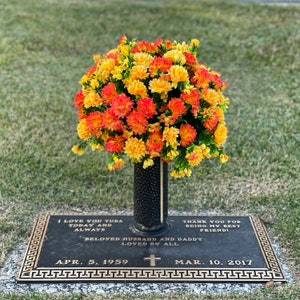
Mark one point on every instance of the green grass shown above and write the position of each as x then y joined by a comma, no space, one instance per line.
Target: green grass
46,45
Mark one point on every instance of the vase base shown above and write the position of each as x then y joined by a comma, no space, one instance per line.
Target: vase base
141,230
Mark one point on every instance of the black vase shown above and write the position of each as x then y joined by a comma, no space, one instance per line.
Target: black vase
150,199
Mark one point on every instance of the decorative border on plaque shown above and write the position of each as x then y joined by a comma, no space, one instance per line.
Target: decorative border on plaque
29,271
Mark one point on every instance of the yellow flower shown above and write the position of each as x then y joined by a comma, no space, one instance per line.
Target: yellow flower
175,56
181,173
195,43
223,158
124,49
136,87
135,149
94,83
82,130
138,73
97,146
159,86
171,155
148,163
84,79
92,99
178,74
77,150
106,67
183,47
211,96
220,134
170,135
220,113
142,59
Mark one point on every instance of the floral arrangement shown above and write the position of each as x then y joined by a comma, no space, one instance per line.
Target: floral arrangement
152,99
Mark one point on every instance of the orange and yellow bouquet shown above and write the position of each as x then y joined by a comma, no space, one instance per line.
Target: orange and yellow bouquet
152,99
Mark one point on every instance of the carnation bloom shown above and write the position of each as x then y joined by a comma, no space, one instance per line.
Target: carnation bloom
115,144
83,130
170,135
137,88
135,149
160,86
121,105
92,99
187,134
137,122
155,143
220,133
178,74
108,92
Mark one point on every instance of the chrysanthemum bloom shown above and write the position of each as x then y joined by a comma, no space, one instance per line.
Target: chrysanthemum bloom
202,77
187,134
198,154
175,56
142,59
220,113
190,58
94,122
211,122
220,133
178,74
158,65
157,85
83,130
210,96
79,98
223,158
77,150
121,105
137,88
147,107
177,108
138,72
170,135
154,143
115,144
111,121
135,149
116,163
92,99
105,68
137,122
108,92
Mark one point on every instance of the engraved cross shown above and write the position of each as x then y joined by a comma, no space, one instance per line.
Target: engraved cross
152,260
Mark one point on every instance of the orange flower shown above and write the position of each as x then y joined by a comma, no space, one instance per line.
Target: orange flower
135,149
211,122
138,73
202,77
109,92
121,105
210,96
154,143
190,58
187,134
159,64
220,134
137,122
177,108
94,122
115,144
147,107
111,122
79,98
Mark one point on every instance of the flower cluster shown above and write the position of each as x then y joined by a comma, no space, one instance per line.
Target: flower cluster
148,100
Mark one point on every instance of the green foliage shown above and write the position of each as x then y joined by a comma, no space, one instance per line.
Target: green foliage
45,46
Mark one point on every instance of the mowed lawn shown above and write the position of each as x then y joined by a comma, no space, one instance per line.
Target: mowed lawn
46,46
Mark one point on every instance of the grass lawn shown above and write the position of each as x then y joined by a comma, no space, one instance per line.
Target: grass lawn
46,45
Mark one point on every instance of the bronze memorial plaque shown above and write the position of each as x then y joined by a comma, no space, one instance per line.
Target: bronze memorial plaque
65,248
